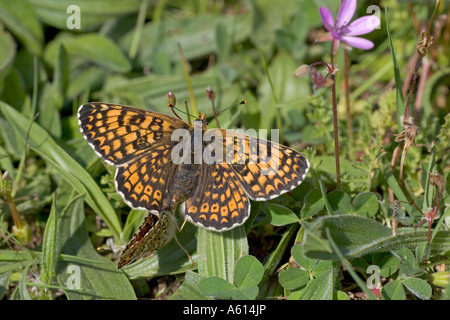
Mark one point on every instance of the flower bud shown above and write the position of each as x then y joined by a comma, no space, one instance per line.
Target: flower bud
210,94
301,71
23,233
440,278
171,99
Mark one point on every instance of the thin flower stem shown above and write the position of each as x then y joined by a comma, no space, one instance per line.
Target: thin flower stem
335,123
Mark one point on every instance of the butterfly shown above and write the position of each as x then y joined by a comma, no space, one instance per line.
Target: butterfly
157,170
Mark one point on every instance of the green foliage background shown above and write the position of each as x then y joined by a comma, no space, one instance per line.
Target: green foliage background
315,242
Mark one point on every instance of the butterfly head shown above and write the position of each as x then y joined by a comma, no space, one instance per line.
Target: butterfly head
201,120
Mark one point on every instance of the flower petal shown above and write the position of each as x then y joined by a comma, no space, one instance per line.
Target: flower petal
327,18
346,12
362,25
357,42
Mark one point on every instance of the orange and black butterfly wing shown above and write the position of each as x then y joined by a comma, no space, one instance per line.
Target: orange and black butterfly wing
265,169
144,182
136,141
218,203
119,133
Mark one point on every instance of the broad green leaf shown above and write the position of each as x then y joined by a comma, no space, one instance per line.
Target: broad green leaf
388,265
189,289
90,47
280,215
314,203
357,236
340,202
248,272
216,287
320,288
418,287
247,293
299,257
365,204
393,291
41,142
293,278
219,251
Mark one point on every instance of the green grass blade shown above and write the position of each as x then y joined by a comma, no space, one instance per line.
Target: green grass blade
398,80
43,144
49,246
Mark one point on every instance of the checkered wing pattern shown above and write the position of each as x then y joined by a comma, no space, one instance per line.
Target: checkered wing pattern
144,181
155,233
265,169
119,133
218,203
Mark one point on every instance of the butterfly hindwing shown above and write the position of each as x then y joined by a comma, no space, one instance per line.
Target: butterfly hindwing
219,202
154,234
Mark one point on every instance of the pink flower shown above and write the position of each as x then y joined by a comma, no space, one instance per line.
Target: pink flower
345,31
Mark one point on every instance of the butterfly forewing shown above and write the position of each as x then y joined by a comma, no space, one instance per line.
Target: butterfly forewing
119,134
144,182
264,168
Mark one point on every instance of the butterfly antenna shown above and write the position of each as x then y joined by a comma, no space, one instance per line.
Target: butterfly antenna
215,114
